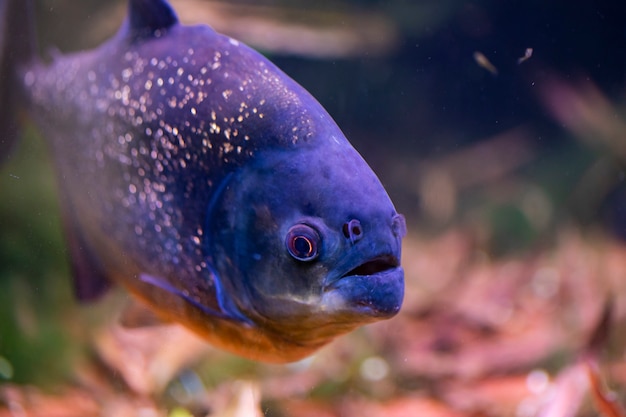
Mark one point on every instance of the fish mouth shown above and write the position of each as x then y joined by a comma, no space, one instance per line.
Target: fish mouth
372,290
374,266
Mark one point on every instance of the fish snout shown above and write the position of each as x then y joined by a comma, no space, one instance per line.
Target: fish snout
353,230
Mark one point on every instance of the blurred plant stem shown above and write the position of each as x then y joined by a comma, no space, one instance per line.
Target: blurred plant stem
37,331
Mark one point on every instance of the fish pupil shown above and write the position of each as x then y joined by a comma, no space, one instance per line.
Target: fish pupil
303,246
302,242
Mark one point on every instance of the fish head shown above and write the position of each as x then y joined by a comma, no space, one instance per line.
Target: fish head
308,242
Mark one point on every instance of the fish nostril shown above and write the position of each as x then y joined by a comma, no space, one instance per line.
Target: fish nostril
353,230
398,225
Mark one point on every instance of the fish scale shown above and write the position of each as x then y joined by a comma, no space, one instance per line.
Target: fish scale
188,164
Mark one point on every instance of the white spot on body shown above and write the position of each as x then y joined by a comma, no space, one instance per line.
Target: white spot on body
126,74
29,79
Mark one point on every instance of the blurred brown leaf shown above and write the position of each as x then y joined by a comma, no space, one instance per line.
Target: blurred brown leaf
148,358
476,337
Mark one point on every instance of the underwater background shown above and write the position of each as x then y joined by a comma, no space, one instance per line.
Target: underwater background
498,129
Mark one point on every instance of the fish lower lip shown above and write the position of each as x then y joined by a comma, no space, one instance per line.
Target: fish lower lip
376,296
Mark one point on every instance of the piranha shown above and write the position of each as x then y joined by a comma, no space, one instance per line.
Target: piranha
214,188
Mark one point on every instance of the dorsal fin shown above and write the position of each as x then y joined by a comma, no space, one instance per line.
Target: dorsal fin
146,18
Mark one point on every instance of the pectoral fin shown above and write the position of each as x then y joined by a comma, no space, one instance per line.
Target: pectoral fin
219,312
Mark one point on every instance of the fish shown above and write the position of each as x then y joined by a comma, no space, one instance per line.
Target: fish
206,182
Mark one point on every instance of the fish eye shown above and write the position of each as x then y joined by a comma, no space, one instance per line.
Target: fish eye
303,242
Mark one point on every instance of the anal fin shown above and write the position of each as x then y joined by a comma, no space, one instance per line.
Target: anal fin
90,280
90,283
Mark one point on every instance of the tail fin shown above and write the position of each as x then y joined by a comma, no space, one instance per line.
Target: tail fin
17,47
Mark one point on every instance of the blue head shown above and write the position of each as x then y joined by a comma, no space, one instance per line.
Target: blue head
308,241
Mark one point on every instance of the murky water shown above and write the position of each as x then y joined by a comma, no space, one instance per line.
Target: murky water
466,128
